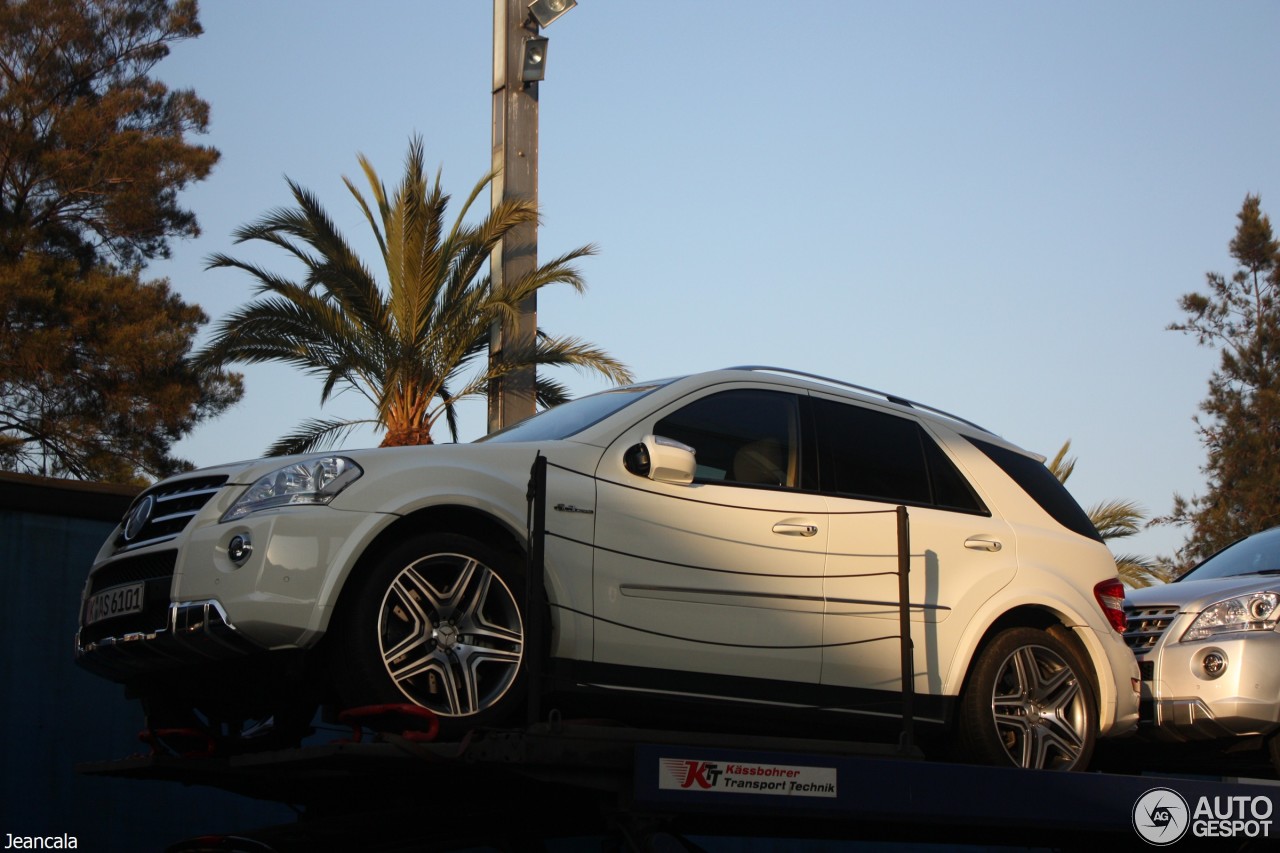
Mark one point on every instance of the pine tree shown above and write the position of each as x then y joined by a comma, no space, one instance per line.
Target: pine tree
94,377
93,150
1240,426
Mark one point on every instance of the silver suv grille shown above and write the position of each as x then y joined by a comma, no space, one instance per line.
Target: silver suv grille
163,511
1146,625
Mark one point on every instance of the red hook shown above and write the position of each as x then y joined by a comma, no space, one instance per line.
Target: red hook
353,715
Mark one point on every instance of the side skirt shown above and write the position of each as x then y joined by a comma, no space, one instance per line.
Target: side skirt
645,690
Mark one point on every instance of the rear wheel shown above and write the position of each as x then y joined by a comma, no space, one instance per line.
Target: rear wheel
436,622
1029,703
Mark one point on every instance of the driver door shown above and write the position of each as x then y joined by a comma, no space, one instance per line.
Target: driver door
722,576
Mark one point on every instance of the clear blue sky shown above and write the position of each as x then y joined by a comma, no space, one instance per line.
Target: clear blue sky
990,207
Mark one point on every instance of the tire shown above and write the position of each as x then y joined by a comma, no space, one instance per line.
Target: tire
1029,703
437,622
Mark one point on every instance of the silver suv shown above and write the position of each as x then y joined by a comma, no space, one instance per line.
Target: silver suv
726,539
1208,648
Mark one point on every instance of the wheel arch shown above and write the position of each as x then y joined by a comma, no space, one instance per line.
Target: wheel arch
1041,618
443,518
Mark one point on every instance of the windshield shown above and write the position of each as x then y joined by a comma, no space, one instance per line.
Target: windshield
573,417
1258,554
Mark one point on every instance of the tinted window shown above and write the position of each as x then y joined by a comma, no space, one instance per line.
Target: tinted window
875,455
746,436
572,417
1038,482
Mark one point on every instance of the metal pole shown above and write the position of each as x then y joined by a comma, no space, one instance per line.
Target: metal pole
535,617
515,159
904,630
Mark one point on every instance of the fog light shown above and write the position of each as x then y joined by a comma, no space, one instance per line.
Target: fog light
239,549
1214,663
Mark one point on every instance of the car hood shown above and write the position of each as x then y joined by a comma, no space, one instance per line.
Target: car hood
1194,595
246,471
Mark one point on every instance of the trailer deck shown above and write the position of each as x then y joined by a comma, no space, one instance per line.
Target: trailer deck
521,788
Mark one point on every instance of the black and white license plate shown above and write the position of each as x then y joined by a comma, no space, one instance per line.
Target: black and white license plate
117,601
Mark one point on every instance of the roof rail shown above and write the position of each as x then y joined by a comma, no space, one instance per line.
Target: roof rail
892,398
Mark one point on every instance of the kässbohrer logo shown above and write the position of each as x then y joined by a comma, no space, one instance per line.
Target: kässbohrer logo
747,777
1161,816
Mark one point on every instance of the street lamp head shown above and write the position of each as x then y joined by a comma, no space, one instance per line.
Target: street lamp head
544,12
534,66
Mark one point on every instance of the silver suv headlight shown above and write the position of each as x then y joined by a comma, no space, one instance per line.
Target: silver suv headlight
1259,611
311,483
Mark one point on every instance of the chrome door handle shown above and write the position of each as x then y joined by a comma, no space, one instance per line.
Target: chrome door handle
982,543
791,528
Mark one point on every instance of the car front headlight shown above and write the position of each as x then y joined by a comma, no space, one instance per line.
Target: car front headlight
1259,611
311,483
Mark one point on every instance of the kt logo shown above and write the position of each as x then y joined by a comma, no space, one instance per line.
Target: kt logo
1160,816
703,774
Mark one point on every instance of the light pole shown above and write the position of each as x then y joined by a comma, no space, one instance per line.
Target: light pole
519,62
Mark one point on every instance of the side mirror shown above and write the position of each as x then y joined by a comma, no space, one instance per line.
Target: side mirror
663,459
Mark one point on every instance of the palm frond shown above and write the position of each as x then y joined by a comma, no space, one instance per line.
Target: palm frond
550,393
1137,571
1116,519
1060,465
315,435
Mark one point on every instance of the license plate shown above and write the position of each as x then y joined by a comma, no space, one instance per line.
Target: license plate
117,601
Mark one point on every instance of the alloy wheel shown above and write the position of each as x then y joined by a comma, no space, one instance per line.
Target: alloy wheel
450,634
1039,709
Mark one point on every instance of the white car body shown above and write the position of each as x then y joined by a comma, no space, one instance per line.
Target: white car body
778,595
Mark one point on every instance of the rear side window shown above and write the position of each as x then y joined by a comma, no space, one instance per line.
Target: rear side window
1038,482
870,454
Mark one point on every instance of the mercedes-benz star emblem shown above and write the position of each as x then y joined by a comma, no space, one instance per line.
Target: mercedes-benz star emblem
138,517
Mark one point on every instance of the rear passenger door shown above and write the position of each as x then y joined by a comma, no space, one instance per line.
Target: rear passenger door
871,461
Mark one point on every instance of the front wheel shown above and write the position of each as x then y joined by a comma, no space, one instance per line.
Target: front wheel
436,622
1028,703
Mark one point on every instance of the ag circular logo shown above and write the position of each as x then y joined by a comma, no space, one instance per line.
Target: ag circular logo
1161,816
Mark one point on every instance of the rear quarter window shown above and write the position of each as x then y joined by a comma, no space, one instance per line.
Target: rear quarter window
1038,481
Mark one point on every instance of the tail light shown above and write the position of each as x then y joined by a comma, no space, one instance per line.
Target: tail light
1110,595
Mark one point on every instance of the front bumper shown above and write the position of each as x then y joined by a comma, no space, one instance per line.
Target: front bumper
1181,700
194,632
200,606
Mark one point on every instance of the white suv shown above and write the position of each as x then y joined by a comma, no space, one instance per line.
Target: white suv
727,538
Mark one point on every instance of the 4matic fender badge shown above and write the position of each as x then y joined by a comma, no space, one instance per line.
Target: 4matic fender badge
572,508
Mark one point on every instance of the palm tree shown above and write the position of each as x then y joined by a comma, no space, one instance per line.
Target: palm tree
415,347
1116,519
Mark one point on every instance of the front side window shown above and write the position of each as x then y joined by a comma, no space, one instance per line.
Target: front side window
746,437
883,457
